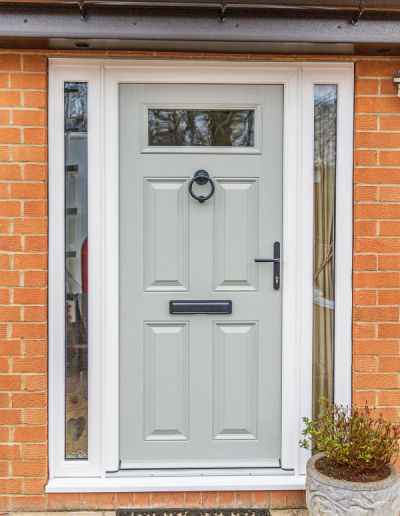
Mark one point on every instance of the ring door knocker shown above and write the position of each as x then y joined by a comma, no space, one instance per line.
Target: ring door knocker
201,177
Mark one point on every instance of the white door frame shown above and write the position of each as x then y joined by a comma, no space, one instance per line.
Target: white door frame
104,77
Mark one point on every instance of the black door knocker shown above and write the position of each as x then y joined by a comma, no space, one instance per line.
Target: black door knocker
201,177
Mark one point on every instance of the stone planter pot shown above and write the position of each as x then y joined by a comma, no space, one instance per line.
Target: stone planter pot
330,497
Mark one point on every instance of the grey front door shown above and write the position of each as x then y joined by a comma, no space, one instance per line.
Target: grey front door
200,390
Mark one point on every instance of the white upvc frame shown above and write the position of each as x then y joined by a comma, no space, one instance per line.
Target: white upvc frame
104,78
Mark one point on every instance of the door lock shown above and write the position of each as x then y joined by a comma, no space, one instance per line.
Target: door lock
276,260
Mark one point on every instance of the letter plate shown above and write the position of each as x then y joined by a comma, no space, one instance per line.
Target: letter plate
200,307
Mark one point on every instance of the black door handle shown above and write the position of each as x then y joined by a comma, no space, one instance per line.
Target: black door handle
276,260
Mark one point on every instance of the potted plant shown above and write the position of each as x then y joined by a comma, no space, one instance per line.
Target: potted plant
351,473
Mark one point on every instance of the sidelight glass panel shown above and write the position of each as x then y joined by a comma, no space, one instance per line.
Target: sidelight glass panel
76,271
183,127
325,126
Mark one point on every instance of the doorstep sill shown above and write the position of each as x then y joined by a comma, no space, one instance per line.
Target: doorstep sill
173,484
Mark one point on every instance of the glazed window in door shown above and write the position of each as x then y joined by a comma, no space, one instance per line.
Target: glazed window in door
200,390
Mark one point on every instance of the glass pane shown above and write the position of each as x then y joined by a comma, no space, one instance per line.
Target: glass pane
182,127
76,271
325,116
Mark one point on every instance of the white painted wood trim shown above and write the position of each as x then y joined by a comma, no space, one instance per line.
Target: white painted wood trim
296,257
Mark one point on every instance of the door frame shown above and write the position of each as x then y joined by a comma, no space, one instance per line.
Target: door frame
104,77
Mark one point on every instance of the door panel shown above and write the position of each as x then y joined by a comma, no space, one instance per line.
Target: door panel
200,390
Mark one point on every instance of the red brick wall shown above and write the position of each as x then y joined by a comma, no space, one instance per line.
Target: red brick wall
23,285
376,361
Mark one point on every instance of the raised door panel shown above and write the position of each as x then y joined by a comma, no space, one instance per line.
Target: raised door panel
166,382
235,381
236,235
166,235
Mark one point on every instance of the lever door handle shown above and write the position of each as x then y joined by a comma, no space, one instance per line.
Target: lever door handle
276,260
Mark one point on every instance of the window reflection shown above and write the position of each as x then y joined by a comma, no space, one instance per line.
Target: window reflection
181,127
325,118
76,271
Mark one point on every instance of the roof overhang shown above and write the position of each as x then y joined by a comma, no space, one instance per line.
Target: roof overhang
327,27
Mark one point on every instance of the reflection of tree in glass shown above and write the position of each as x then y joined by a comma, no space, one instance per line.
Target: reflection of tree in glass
179,127
75,106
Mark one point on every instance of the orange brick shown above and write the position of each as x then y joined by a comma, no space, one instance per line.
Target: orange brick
29,400
362,398
35,135
389,297
10,98
365,157
4,399
192,499
4,80
376,347
35,416
391,398
389,193
10,451
34,278
4,435
10,208
376,105
28,190
10,134
30,117
29,153
4,470
226,499
363,228
364,364
35,485
244,499
376,245
369,314
9,278
388,331
10,243
176,500
28,81
389,262
4,116
364,297
11,485
366,87
142,500
35,172
377,140
4,186
35,313
5,503
295,499
35,64
10,313
4,261
4,156
376,211
389,364
365,122
29,364
35,243
30,434
35,451
55,501
278,500
209,499
375,381
72,501
261,499
34,208
361,262
389,158
365,193
36,382
31,261
30,296
387,88
390,122
390,414
376,279
107,501
4,295
35,99
10,382
125,500
90,500
28,503
389,228
35,347
159,499
10,417
30,226
10,171
10,63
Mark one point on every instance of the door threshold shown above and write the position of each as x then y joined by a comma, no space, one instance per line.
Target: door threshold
197,472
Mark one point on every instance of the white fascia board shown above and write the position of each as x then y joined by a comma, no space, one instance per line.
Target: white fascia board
161,484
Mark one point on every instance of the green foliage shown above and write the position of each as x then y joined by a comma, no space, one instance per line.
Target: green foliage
351,436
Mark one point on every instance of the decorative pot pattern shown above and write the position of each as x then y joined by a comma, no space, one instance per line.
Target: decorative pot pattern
330,497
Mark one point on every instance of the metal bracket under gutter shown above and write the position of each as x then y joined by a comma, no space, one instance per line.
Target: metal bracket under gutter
82,10
360,12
